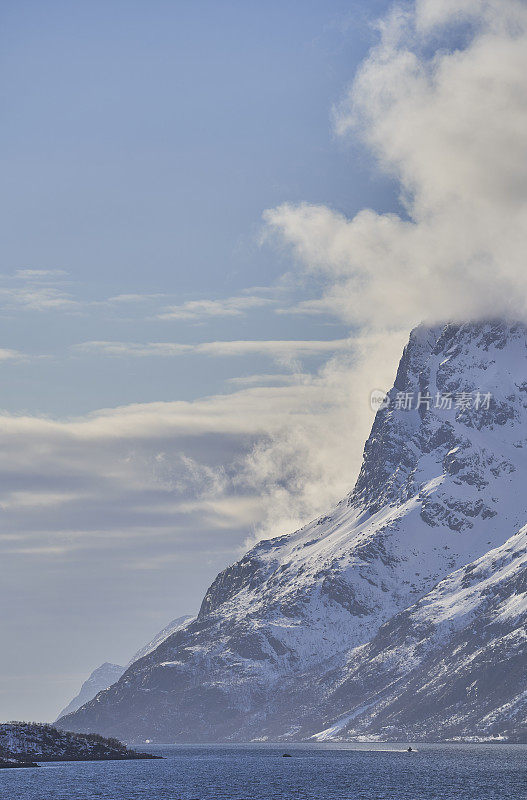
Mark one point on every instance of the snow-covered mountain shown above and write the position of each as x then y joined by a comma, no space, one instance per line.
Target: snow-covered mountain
107,674
101,678
168,630
284,639
454,665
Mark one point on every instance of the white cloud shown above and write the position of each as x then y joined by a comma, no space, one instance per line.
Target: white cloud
136,349
258,461
314,307
119,299
498,15
270,378
275,348
227,307
36,298
451,127
43,290
39,274
11,355
36,290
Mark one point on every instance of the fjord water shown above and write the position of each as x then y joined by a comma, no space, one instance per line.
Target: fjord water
260,772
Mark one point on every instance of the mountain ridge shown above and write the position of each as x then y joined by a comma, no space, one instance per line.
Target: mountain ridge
100,679
107,674
278,630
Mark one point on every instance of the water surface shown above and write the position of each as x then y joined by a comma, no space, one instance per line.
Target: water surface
259,772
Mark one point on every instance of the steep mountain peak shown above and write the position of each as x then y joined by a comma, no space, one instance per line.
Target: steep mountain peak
452,384
101,678
442,483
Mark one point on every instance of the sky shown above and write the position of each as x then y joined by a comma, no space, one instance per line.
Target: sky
220,220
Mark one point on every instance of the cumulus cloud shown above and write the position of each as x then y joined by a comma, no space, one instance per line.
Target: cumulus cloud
92,505
450,124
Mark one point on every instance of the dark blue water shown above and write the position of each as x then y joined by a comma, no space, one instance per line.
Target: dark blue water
259,772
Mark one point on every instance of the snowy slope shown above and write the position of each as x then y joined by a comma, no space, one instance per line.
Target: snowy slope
176,625
439,488
103,677
453,665
100,679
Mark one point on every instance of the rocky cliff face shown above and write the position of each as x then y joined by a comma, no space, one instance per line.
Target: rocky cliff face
280,633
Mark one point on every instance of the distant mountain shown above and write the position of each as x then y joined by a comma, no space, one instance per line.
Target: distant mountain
107,674
100,679
176,625
336,630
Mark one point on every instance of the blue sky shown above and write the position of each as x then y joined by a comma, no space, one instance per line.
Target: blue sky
140,145
219,222
140,148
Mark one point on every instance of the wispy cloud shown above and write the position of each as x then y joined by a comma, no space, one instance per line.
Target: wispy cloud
241,347
11,355
126,299
228,307
152,480
51,290
36,290
266,379
37,299
446,124
40,274
266,455
314,307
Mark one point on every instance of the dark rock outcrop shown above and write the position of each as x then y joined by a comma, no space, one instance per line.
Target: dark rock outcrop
24,743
